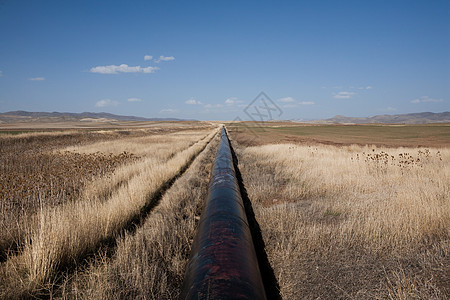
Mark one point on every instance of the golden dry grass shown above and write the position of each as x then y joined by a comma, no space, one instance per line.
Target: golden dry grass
138,145
153,148
352,222
34,175
150,263
38,170
63,235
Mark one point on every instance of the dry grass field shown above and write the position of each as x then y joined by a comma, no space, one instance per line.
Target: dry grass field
150,262
351,221
389,135
344,212
102,188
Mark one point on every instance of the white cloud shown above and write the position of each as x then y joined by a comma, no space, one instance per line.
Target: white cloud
164,58
37,78
289,102
343,95
192,101
168,111
286,100
213,105
232,101
148,57
391,108
1,73
369,87
134,100
426,99
123,68
106,103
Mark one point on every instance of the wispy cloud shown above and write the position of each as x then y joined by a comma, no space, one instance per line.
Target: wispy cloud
123,68
168,111
164,58
192,101
286,100
1,73
343,95
297,104
106,103
232,101
390,108
289,102
37,78
148,57
368,87
213,105
426,99
331,87
134,100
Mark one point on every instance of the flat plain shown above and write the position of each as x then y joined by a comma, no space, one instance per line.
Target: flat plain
109,210
390,135
351,211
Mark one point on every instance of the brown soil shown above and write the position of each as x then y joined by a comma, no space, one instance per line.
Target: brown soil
247,136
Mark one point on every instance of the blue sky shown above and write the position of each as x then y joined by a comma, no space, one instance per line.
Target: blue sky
209,59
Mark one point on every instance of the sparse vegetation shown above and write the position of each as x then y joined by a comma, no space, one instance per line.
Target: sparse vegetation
382,135
150,263
352,222
107,214
35,175
59,237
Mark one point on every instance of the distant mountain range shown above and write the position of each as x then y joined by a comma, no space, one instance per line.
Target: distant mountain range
25,116
415,118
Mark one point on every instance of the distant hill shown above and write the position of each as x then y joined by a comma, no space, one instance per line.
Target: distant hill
25,116
415,118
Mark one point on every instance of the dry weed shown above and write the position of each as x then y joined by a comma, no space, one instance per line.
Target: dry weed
66,233
352,222
150,263
33,177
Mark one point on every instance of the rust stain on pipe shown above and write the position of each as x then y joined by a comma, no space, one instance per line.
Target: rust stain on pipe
223,263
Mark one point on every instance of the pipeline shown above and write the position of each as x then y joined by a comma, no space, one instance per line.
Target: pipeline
223,262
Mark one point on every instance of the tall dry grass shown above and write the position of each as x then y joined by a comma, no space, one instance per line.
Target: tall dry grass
150,263
39,171
352,222
66,234
154,148
139,145
34,176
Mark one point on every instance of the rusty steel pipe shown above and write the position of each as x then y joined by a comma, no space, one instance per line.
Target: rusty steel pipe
223,262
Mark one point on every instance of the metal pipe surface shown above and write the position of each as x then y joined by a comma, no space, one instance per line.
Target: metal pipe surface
223,262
